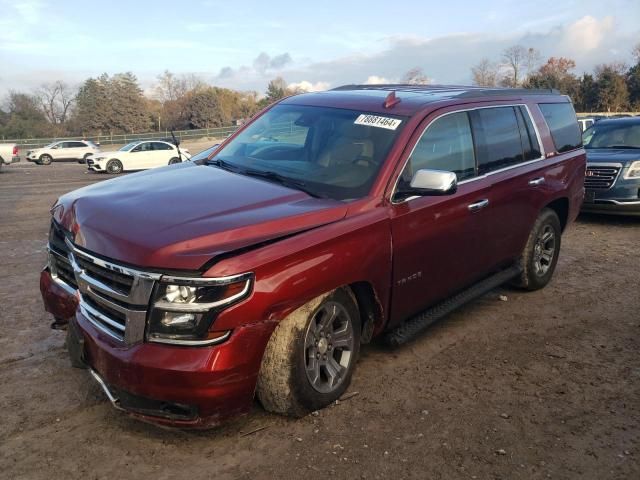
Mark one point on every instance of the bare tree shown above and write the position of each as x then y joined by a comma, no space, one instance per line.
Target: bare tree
519,62
56,100
416,76
485,73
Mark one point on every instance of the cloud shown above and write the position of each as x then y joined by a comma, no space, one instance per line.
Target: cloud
264,62
376,80
306,86
587,33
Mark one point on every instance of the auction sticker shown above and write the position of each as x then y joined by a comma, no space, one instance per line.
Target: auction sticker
376,121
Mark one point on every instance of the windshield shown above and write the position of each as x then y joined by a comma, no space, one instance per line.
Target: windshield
327,152
612,135
205,153
128,147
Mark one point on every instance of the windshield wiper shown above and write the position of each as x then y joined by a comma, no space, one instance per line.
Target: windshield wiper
217,162
622,146
282,180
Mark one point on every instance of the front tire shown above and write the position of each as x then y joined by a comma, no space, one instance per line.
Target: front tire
311,355
45,159
114,167
540,255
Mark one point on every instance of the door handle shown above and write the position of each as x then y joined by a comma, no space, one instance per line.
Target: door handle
474,207
536,181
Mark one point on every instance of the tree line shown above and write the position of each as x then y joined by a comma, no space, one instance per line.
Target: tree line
611,87
117,104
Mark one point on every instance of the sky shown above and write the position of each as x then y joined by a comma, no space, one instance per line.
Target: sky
316,45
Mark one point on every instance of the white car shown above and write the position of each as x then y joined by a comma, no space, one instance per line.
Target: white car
137,156
9,153
64,150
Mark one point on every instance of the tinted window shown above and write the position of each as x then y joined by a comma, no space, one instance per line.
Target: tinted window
530,146
498,138
447,145
143,147
161,146
563,124
76,145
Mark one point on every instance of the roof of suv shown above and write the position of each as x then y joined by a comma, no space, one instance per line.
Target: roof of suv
412,97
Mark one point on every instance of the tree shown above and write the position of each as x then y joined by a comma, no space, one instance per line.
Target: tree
129,112
633,80
93,105
23,117
276,90
519,62
204,108
56,100
556,73
485,73
611,87
588,94
415,76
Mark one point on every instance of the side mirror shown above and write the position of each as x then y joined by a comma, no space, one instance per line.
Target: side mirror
427,182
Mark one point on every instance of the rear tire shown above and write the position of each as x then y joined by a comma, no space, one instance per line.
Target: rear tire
540,255
311,355
174,160
45,159
84,159
114,167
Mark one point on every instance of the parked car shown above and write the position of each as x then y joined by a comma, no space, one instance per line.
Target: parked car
612,181
328,220
139,155
9,153
78,150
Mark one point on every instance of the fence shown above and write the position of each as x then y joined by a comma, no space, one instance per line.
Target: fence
121,139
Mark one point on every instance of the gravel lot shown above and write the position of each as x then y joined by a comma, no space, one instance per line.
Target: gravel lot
543,385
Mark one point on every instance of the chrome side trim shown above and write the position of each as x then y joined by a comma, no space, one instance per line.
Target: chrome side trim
191,343
204,281
105,389
480,177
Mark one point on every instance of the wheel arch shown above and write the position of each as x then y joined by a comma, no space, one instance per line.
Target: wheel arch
561,207
369,307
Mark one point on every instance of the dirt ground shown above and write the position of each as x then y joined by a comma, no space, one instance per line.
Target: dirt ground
543,385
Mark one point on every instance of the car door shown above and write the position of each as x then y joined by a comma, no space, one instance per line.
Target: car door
439,242
163,152
59,151
79,150
509,153
140,157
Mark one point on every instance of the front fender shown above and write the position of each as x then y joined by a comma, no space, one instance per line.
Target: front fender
295,270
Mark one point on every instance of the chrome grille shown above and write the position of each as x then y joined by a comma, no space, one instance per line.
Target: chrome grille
112,297
601,177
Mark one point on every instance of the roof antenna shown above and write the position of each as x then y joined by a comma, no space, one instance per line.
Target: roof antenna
391,100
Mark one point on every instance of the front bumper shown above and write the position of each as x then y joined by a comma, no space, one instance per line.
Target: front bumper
167,384
623,198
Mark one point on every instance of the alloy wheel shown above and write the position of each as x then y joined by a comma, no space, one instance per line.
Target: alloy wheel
329,346
544,250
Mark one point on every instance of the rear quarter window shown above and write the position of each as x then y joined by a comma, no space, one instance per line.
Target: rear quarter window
563,124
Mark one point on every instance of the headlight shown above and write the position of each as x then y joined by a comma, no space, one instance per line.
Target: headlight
184,308
634,170
96,159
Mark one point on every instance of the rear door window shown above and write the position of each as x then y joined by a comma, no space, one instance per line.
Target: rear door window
498,140
563,124
447,144
161,146
530,145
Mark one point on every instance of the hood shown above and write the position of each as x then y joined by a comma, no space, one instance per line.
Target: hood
181,217
101,153
613,155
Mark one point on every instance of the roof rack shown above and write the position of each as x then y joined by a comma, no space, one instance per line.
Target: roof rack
464,90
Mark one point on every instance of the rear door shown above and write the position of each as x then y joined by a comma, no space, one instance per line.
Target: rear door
509,154
163,152
440,242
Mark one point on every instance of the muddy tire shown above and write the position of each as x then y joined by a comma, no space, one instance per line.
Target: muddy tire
311,355
540,255
114,167
45,159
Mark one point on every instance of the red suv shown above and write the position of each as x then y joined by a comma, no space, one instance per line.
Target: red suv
330,219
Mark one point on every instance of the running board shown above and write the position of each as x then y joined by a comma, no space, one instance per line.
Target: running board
412,327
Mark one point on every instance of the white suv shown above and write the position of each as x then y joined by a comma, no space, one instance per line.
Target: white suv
137,156
64,150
